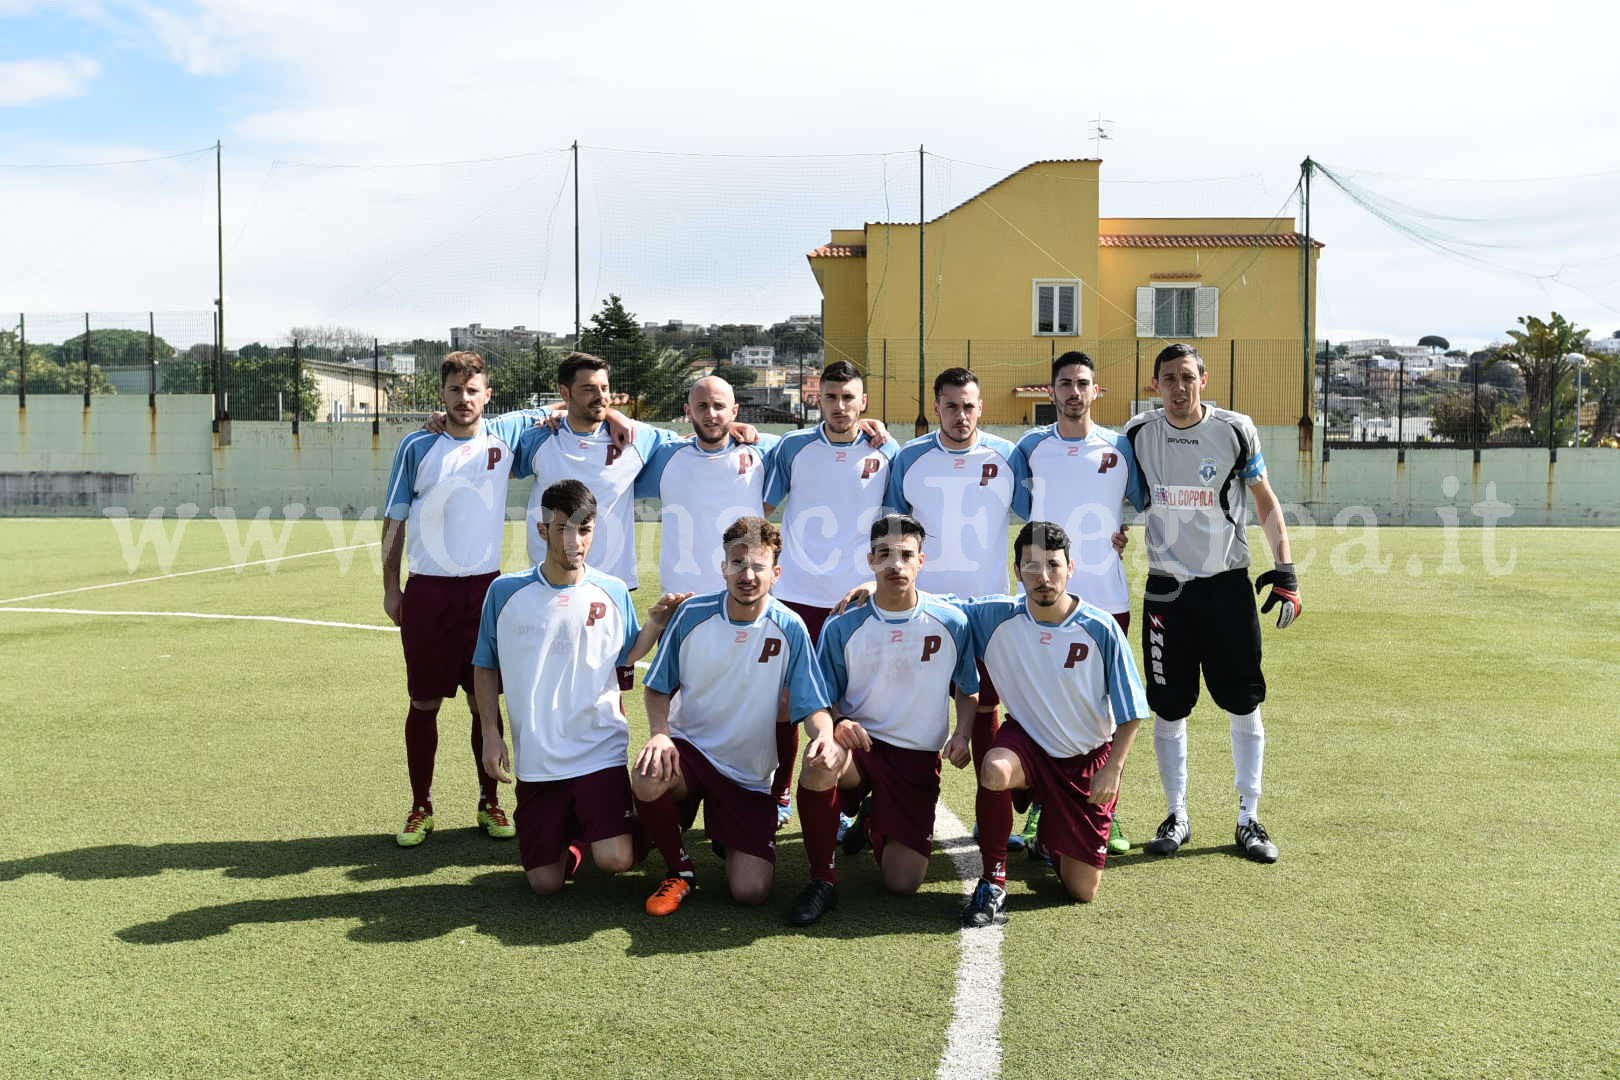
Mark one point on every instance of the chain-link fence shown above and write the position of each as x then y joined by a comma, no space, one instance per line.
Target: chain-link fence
1449,401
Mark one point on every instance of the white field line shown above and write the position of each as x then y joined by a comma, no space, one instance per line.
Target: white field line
973,1044
187,573
200,615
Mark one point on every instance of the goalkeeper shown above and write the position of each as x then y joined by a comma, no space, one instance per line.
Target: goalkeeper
1198,611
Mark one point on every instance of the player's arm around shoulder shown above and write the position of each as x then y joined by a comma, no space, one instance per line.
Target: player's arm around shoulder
658,618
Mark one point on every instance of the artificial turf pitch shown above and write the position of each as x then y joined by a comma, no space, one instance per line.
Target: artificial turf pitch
198,876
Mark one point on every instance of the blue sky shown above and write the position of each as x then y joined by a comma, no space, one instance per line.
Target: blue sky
1211,114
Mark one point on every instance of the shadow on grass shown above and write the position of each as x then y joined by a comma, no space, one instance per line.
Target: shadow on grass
501,906
373,857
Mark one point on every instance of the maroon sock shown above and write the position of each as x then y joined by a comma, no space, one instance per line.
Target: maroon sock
661,819
489,793
787,752
818,814
421,746
849,800
995,825
639,843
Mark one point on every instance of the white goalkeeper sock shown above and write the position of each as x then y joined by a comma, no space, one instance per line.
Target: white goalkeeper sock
1248,761
1170,747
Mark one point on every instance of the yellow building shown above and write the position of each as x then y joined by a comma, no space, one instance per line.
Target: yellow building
1026,269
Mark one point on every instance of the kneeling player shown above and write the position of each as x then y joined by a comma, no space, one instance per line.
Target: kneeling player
1066,675
889,666
553,638
712,699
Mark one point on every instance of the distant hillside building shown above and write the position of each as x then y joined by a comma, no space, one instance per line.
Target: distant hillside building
478,337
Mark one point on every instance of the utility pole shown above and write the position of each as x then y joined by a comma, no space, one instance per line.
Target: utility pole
921,424
576,244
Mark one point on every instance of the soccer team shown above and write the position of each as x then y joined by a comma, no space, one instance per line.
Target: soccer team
879,607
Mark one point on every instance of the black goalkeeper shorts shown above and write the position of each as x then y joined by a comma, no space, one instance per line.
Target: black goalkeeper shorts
1209,623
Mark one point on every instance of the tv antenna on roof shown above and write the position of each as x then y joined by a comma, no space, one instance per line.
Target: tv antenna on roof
1099,132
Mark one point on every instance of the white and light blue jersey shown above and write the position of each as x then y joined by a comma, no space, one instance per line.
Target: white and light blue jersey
727,678
558,648
1082,485
962,497
703,493
833,491
609,470
892,670
451,493
1064,683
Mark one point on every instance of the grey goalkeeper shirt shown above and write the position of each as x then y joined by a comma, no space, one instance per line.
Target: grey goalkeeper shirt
1198,507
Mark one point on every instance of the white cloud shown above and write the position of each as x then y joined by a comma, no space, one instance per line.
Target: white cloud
29,82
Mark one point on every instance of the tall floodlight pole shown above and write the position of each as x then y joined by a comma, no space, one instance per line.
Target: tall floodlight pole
921,425
576,243
1307,330
219,236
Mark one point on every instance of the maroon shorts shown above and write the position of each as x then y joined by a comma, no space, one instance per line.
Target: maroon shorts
551,814
741,819
905,789
814,618
988,698
1069,824
438,626
1124,620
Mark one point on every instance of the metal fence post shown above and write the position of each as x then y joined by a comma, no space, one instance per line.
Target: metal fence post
1327,376
1400,412
151,360
376,388
22,360
298,385
1473,418
86,359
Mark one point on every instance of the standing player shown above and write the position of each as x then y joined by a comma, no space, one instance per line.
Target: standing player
959,483
889,667
551,638
1074,702
448,493
712,697
1198,610
1079,475
705,483
583,447
832,478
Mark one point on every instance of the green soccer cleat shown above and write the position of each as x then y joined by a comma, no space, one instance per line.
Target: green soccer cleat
1032,824
418,823
495,823
1117,843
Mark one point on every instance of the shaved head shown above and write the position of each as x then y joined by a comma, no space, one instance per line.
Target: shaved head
711,406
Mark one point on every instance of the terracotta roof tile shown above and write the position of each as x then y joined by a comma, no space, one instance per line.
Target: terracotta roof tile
1202,240
839,251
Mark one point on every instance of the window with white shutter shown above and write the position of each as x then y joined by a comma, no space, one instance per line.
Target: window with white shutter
1178,311
1056,308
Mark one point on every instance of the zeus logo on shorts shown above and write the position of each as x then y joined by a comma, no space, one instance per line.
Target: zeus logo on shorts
493,457
1077,652
614,453
931,645
772,647
598,610
1109,460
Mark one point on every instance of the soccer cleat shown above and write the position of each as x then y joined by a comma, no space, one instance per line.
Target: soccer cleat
1039,852
845,823
1174,831
666,899
493,820
1032,824
784,810
813,901
1253,840
855,839
987,906
418,823
1117,843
